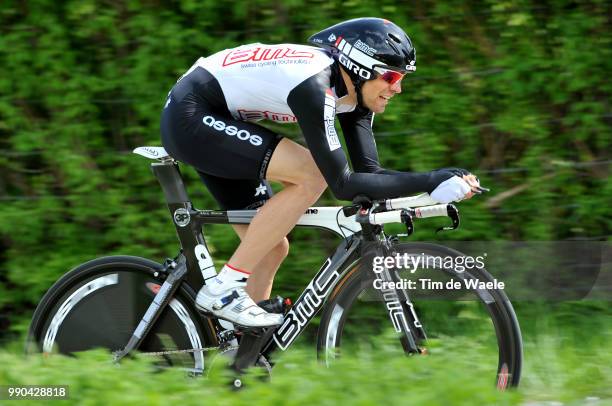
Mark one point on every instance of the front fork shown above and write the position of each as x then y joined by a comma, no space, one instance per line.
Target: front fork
401,310
397,302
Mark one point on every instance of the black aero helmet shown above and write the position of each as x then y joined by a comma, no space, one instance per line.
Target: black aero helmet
362,44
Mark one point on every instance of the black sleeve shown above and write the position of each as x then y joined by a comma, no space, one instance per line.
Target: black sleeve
314,107
357,130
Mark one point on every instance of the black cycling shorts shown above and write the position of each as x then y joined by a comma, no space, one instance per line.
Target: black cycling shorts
231,156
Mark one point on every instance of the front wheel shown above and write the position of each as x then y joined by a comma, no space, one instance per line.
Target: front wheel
100,303
355,316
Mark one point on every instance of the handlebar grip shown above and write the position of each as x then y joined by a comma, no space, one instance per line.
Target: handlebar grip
424,199
394,216
439,210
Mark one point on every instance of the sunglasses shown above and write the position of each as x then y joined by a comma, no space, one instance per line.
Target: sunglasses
390,76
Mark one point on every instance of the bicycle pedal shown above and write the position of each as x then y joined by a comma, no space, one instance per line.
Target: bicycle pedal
253,331
238,329
277,305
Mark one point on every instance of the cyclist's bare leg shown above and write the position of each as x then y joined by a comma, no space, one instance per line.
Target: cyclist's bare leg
294,166
259,285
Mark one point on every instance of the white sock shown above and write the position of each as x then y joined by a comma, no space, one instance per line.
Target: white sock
228,278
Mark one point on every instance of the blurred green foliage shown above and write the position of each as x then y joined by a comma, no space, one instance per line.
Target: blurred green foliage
298,379
566,366
516,91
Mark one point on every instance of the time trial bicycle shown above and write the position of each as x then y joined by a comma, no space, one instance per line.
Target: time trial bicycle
128,303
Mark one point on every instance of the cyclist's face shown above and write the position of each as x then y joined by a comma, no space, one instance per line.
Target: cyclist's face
377,93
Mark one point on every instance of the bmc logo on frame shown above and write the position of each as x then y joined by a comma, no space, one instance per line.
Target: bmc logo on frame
306,306
231,130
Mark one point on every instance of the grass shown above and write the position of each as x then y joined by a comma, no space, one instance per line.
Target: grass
568,363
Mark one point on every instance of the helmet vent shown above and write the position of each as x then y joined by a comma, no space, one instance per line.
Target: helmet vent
394,38
393,46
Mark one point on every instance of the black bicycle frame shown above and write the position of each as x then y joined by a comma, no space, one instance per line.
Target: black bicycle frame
195,256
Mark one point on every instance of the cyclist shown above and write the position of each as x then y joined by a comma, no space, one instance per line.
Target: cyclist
354,71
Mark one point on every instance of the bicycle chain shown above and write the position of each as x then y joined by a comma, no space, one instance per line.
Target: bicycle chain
222,350
224,347
168,352
225,338
265,363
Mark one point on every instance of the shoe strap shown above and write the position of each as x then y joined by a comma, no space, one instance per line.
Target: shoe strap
225,300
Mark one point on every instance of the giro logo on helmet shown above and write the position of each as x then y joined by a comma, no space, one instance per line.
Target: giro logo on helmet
353,67
231,130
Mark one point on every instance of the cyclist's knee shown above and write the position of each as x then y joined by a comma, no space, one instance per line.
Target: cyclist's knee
310,177
315,183
281,249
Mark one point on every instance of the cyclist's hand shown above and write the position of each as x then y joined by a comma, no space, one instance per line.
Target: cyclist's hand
473,183
453,190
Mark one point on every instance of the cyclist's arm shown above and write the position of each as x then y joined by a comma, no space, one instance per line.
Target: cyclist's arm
357,131
307,101
360,142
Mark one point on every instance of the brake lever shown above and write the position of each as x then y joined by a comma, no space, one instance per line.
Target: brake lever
349,211
453,213
408,222
359,202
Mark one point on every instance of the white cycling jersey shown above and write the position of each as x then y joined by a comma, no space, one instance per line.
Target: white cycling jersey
256,78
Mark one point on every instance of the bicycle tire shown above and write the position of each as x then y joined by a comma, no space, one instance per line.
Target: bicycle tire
99,304
358,280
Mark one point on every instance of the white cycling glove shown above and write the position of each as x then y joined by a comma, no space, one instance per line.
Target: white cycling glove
451,190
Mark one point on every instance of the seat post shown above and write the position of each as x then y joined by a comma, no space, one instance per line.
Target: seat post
171,181
189,231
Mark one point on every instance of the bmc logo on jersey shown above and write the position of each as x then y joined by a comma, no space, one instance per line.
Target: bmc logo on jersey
231,130
263,53
353,67
255,115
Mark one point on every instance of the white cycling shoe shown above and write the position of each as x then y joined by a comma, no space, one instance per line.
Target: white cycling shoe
236,305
